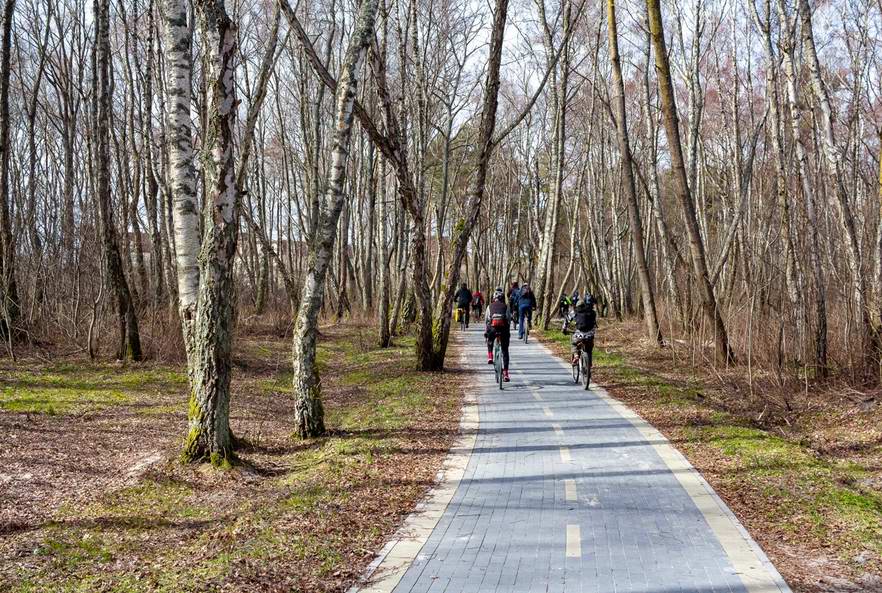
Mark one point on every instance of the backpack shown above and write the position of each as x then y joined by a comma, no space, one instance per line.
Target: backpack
498,315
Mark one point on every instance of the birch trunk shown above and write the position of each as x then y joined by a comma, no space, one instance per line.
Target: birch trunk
309,414
181,171
464,227
209,437
834,158
793,284
385,336
808,193
127,321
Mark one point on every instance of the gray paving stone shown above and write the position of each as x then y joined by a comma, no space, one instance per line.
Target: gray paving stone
505,530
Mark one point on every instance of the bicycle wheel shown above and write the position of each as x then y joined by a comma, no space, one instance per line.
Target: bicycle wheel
577,367
497,368
526,330
586,370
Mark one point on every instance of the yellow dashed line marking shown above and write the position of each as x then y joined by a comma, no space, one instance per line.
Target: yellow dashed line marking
570,490
574,541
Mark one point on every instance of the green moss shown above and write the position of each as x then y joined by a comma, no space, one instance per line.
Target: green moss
70,550
183,520
194,421
221,461
150,500
69,388
281,383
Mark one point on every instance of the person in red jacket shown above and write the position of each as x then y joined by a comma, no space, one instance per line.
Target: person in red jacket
477,304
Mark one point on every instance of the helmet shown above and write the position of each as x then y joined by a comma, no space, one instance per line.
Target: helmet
498,295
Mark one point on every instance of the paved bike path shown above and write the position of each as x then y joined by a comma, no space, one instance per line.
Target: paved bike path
568,490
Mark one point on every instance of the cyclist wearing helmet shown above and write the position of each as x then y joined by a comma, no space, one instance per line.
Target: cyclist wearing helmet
526,306
498,320
477,304
463,299
563,305
514,295
585,320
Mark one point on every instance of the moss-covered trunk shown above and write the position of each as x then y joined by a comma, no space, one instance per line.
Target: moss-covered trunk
308,410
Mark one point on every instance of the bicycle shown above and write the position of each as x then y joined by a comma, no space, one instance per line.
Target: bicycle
461,317
570,316
527,324
581,364
497,362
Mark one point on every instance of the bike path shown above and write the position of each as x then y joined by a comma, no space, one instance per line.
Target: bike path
566,490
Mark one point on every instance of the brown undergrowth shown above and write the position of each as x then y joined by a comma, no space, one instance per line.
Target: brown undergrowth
801,466
94,499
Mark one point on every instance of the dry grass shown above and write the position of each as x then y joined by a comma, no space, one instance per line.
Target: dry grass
94,498
802,468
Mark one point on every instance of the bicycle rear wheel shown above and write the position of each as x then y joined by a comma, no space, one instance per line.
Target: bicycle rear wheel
577,367
497,363
526,330
586,370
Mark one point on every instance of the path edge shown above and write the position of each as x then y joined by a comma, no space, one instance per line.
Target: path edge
386,570
736,541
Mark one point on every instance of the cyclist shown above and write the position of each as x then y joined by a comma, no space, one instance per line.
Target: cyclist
586,322
463,300
526,306
497,320
477,304
514,294
563,306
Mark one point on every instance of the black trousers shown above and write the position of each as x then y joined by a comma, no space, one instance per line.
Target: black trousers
465,311
504,339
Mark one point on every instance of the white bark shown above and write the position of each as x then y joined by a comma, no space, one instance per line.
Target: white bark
181,172
309,415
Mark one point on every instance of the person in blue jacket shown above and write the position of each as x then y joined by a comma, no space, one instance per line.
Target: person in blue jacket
514,293
526,306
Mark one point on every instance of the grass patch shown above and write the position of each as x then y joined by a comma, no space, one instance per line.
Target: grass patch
302,517
69,389
797,492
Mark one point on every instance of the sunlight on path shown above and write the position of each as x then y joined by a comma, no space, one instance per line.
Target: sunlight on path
568,490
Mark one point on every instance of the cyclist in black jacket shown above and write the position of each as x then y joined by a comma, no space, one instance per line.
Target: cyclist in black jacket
586,322
463,300
498,321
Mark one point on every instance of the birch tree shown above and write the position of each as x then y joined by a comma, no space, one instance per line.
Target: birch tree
205,281
308,411
127,320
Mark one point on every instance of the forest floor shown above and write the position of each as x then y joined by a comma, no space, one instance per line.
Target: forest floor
95,499
801,469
